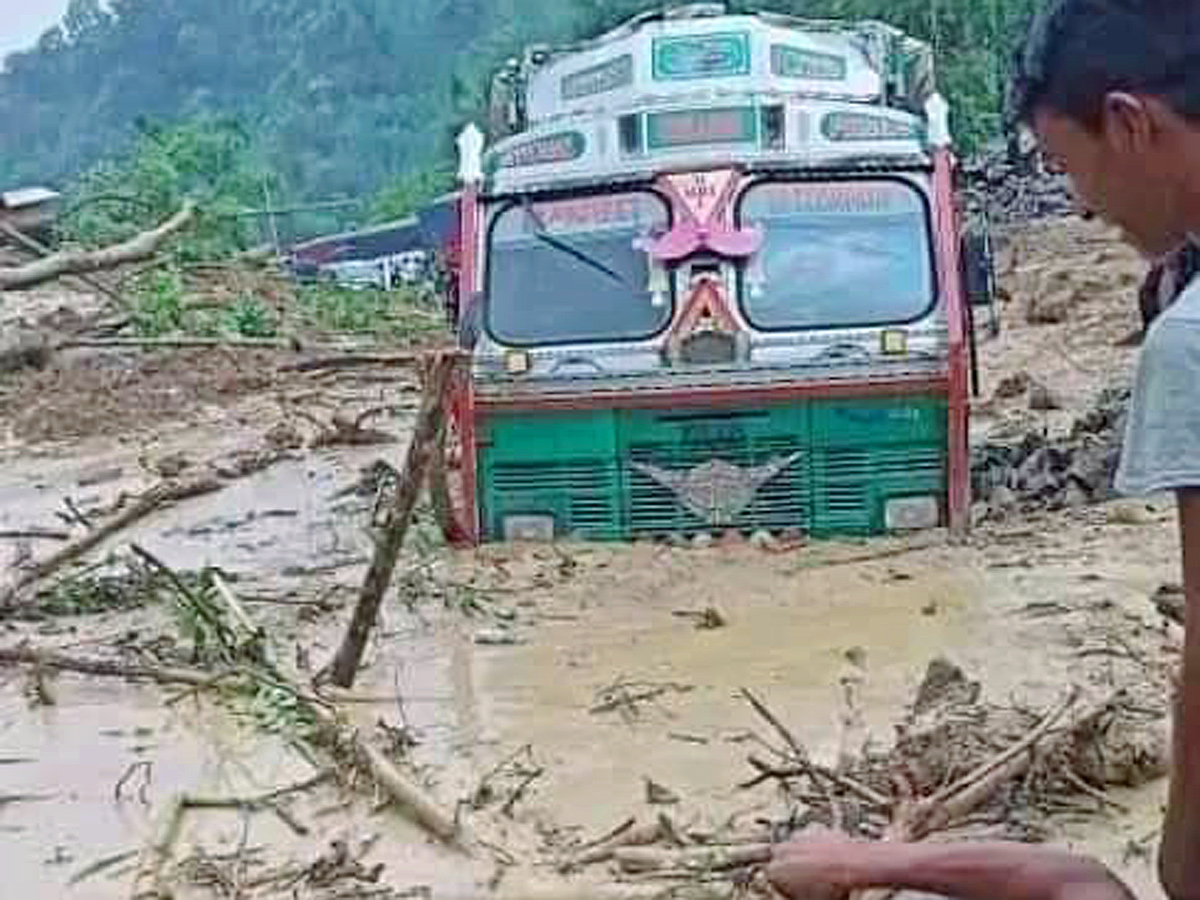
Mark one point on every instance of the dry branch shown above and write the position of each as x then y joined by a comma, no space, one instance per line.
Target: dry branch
83,262
429,430
49,660
35,534
163,494
358,360
176,343
704,859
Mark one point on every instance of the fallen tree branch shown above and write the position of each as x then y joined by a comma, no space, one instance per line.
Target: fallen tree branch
801,756
702,859
163,494
364,360
429,430
83,262
37,248
49,660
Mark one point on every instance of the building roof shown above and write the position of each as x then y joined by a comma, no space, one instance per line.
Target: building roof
30,196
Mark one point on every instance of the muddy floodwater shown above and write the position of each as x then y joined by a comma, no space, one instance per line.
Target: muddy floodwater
613,674
563,627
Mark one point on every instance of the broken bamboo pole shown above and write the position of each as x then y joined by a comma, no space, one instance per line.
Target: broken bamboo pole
429,430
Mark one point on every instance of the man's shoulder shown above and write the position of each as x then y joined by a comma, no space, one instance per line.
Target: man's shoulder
1186,307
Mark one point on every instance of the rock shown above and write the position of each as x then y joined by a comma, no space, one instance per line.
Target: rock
284,436
1129,513
945,684
703,541
22,349
658,795
495,637
171,466
763,540
1170,602
1075,497
1013,386
1042,399
97,476
1049,310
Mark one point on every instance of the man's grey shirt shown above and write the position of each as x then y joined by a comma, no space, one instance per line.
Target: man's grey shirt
1162,437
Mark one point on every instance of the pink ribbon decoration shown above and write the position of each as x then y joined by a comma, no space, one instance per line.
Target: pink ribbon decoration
688,237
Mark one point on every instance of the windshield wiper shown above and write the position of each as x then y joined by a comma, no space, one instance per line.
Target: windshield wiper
542,234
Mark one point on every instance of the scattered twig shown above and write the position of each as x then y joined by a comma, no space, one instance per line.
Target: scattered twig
358,360
159,496
147,770
76,514
45,659
101,865
35,534
706,859
800,754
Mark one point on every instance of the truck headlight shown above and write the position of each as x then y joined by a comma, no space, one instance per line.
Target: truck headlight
539,529
912,513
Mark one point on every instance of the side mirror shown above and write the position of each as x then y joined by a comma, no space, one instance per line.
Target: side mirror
979,273
470,322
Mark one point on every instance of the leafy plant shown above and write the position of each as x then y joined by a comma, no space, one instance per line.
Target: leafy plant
404,313
250,317
158,303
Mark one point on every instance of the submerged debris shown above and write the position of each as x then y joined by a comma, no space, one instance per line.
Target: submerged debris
1054,473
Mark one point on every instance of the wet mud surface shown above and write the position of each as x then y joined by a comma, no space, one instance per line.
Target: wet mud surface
614,670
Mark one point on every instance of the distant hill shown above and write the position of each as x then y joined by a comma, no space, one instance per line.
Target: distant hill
347,96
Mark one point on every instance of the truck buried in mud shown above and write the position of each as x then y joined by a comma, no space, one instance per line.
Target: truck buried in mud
712,278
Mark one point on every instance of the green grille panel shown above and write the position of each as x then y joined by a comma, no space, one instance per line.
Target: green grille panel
827,467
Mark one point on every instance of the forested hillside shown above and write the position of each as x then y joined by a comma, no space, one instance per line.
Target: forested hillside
348,97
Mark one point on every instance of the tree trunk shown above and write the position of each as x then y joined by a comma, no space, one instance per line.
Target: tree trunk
429,431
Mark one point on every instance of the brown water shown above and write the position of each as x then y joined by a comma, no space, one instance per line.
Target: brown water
793,625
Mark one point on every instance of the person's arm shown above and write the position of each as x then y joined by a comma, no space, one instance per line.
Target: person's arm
835,867
1179,860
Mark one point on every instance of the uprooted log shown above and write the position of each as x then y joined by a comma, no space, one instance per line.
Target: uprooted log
429,431
84,262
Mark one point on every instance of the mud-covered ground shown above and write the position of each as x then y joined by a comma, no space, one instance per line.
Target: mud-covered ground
549,694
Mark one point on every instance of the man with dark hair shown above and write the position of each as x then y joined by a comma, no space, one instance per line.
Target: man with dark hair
1112,90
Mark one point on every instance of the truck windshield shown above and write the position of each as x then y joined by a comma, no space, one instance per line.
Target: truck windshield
567,271
837,254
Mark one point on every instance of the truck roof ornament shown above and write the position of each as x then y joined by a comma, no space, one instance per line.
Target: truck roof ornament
470,155
696,11
937,114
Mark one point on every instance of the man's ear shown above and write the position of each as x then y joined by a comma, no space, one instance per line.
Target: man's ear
1129,123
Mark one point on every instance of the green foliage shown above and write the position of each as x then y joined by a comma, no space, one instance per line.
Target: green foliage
207,160
159,307
345,98
250,317
110,586
408,194
404,313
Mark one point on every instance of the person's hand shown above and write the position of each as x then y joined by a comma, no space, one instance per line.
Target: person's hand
819,867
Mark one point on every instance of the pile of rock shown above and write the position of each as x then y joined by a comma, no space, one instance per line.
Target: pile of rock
1008,191
1040,472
